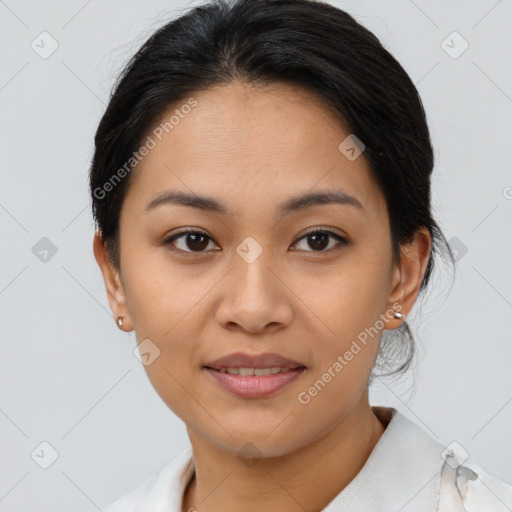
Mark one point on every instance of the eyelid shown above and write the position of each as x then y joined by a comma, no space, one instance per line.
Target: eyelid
342,240
323,229
171,238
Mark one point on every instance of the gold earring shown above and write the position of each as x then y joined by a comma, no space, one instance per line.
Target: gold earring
120,321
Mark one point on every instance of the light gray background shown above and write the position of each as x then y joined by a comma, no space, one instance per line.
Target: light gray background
69,376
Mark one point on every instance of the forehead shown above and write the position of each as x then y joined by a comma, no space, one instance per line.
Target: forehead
250,143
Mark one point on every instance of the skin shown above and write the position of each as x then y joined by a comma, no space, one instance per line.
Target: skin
251,148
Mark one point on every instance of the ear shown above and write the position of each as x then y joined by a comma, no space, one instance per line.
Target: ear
113,284
408,275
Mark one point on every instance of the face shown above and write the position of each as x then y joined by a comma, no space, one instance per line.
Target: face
251,278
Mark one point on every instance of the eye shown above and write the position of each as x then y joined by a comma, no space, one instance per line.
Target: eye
194,240
319,240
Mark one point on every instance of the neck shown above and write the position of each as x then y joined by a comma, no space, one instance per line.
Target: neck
306,479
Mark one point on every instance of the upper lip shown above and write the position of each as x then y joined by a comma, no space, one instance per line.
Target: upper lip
241,360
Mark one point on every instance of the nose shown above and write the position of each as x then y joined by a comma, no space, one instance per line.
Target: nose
255,297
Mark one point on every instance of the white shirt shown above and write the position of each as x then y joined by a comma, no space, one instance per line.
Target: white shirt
407,471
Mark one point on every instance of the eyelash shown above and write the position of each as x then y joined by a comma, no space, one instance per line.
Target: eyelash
341,240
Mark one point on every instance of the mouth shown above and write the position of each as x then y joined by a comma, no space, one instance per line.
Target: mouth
254,383
253,375
262,361
246,372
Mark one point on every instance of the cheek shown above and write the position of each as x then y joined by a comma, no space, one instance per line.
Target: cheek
349,297
164,306
160,294
348,304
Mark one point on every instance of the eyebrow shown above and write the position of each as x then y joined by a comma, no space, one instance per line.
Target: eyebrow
293,204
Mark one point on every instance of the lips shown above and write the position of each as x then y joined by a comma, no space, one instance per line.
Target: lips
254,376
242,360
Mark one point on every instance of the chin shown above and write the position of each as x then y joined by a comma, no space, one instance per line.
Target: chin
257,442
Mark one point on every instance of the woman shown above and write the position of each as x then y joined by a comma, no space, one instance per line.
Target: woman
261,189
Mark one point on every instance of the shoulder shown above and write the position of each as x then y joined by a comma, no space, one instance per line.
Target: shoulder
467,487
130,502
457,484
163,489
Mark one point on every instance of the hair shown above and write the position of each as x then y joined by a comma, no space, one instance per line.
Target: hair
303,43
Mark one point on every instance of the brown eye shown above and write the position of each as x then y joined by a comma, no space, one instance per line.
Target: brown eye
190,241
318,240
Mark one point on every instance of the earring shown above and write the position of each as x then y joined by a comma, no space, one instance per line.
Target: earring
399,315
120,321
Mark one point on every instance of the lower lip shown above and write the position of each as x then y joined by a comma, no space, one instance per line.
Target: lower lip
254,386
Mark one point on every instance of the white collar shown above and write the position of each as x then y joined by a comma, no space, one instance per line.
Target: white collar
402,473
